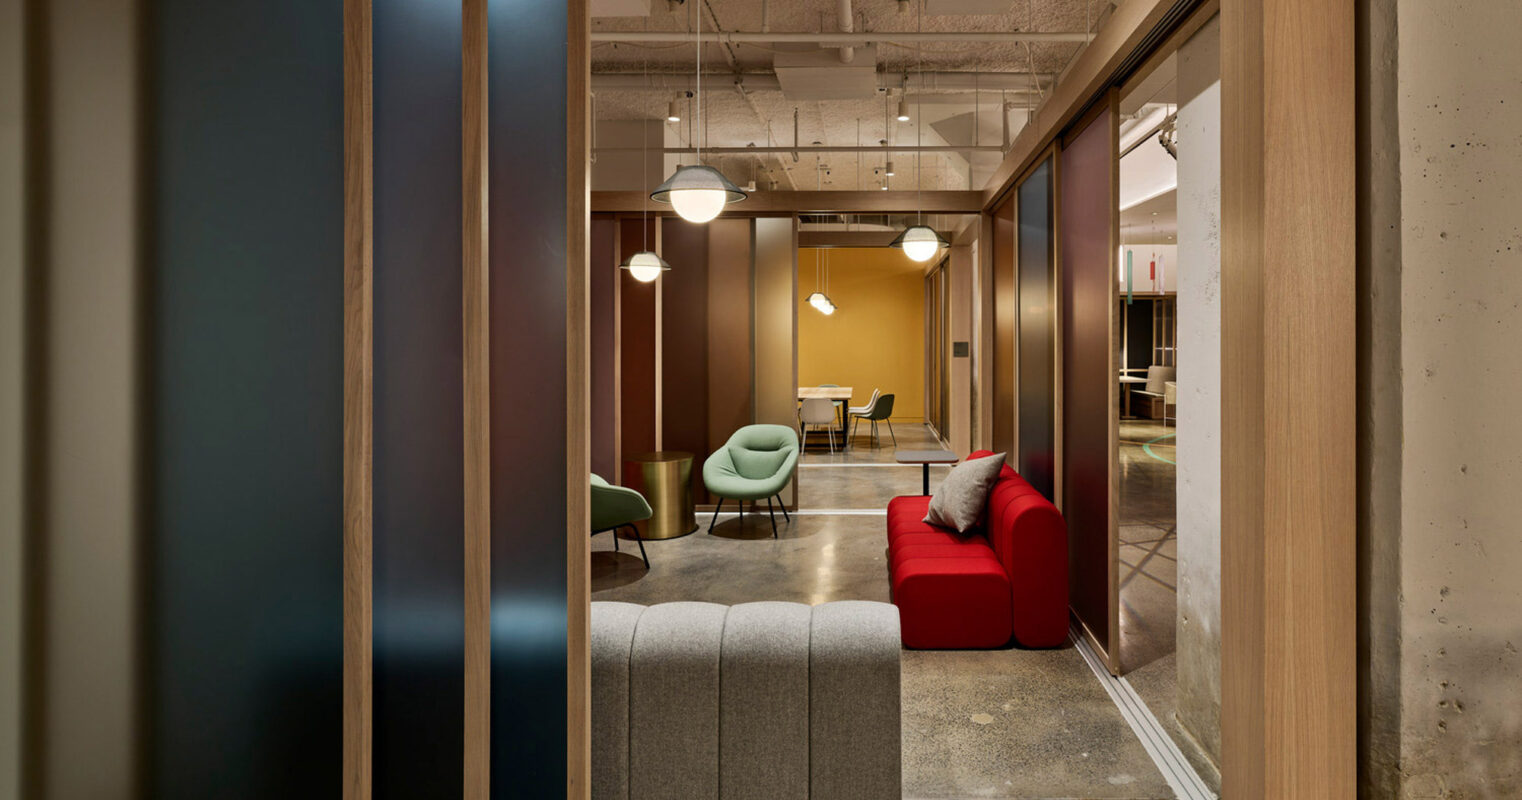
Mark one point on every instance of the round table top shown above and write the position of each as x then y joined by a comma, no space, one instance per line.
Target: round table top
661,457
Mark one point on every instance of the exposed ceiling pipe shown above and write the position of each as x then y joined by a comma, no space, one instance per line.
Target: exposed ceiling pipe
840,39
746,151
847,53
767,81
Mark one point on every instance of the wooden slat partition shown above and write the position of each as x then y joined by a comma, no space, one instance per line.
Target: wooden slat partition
358,348
578,185
1006,313
476,374
1088,227
1035,376
1288,455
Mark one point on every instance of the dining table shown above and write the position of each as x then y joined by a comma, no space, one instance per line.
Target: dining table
839,395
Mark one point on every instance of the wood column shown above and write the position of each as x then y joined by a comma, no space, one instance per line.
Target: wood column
1287,351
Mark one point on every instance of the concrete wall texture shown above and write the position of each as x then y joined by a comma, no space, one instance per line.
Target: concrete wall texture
1449,559
1199,408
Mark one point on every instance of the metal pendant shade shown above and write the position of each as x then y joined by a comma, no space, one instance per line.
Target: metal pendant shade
645,266
821,303
698,178
919,242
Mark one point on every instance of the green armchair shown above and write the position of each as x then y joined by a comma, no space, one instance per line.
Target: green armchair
756,462
615,507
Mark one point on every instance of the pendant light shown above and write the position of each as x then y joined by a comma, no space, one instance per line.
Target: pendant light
698,192
919,241
819,300
645,266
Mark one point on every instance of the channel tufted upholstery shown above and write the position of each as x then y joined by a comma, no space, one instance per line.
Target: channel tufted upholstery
759,700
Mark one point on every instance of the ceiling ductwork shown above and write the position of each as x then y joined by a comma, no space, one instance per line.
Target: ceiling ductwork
770,82
821,75
853,39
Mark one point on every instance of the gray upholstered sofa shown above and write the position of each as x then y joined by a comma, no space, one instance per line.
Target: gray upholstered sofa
758,700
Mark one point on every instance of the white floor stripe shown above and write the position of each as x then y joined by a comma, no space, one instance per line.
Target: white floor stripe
1170,761
897,466
804,512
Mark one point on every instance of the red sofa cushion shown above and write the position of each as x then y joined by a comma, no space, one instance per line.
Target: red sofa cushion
952,603
945,584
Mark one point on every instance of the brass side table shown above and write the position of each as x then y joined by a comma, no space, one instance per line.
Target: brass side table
665,479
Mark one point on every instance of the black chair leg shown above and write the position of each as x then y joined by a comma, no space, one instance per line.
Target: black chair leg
891,433
615,540
784,508
773,515
715,514
641,540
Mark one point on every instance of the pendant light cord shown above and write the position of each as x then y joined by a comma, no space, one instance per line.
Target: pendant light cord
697,128
919,123
644,171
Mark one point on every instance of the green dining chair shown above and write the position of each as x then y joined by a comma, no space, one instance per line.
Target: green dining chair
880,411
615,507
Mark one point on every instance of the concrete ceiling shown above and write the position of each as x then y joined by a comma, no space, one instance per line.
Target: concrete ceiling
655,73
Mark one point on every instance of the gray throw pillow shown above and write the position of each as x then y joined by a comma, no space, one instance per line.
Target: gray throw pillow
959,501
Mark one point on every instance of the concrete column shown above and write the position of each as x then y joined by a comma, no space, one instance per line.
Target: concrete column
1199,381
1460,188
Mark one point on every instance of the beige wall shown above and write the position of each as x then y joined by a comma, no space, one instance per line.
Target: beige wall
959,287
877,337
776,321
87,233
1442,638
12,327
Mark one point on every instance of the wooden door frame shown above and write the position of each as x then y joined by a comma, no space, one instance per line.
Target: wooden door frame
1288,452
1289,625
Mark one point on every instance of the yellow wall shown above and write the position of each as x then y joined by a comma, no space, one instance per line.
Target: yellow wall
876,339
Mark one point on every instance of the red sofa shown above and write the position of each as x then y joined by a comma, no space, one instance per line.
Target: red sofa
979,590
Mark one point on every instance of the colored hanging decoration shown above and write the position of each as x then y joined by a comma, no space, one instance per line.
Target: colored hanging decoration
1128,277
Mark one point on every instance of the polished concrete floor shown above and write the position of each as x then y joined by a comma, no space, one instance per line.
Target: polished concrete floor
1149,578
1000,723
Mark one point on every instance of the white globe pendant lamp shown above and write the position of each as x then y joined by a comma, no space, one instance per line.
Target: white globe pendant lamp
645,266
698,192
920,242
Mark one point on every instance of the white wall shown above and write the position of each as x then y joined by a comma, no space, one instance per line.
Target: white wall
1199,381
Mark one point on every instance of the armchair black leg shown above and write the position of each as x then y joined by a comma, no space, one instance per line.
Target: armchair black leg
641,540
773,515
891,433
784,508
715,514
615,540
